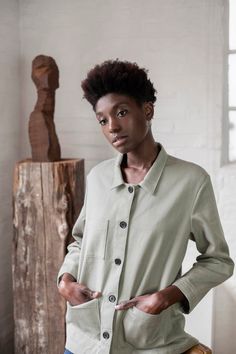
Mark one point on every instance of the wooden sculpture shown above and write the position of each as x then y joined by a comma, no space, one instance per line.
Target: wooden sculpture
42,133
48,194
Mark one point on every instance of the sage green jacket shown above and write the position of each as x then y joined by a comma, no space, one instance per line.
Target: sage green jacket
130,240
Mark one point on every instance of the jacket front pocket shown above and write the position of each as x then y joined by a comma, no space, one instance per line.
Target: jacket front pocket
144,330
95,238
84,317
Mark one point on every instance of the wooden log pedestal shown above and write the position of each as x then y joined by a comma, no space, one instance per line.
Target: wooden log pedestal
47,199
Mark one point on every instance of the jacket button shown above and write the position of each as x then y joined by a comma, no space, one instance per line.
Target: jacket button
105,335
130,189
112,298
117,261
123,224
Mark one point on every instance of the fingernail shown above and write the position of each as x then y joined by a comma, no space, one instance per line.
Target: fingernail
96,293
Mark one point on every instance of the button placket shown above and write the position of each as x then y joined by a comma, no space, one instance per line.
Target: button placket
119,258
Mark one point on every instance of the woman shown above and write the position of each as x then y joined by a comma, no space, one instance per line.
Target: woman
122,275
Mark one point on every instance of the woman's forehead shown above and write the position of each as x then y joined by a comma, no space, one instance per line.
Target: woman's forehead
112,101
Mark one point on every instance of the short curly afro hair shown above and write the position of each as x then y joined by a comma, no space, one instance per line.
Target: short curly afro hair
122,77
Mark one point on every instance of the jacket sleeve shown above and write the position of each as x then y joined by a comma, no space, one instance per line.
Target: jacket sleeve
213,265
71,261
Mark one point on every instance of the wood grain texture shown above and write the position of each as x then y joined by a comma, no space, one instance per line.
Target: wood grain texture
47,199
199,349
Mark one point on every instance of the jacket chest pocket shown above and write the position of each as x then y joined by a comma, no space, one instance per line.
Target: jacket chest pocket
95,238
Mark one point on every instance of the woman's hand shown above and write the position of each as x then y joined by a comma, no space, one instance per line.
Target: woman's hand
75,293
154,303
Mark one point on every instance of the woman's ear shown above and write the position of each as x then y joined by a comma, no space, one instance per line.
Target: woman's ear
148,110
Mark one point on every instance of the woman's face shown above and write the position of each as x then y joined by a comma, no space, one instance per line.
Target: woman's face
123,121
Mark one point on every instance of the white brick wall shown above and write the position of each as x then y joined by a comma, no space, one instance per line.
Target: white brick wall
180,42
168,37
225,296
9,146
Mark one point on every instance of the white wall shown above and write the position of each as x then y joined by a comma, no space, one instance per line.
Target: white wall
171,38
9,146
225,297
181,42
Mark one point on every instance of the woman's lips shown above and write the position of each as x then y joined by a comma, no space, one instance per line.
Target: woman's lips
119,140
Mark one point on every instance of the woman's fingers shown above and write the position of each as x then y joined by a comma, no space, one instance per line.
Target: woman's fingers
124,305
88,292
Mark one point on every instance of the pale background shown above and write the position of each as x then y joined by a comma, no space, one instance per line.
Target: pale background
183,44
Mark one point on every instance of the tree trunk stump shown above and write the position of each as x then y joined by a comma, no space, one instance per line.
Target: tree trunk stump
47,199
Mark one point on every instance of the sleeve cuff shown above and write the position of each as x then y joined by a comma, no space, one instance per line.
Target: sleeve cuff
188,292
67,268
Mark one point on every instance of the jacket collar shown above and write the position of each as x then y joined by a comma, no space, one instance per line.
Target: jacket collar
151,179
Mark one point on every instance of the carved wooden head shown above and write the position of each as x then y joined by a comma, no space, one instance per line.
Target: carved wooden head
45,73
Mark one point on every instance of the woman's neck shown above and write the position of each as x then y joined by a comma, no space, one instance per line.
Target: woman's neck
144,156
134,167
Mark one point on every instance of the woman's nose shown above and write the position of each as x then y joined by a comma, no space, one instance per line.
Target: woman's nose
113,125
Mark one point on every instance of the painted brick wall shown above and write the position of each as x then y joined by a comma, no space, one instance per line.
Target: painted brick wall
171,38
224,305
9,147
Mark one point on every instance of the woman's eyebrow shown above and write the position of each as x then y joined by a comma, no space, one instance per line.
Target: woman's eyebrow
120,103
114,107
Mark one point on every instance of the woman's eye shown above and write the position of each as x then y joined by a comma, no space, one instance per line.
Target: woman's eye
102,121
122,113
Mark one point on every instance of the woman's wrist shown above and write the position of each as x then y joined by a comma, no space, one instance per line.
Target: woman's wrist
173,294
67,277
